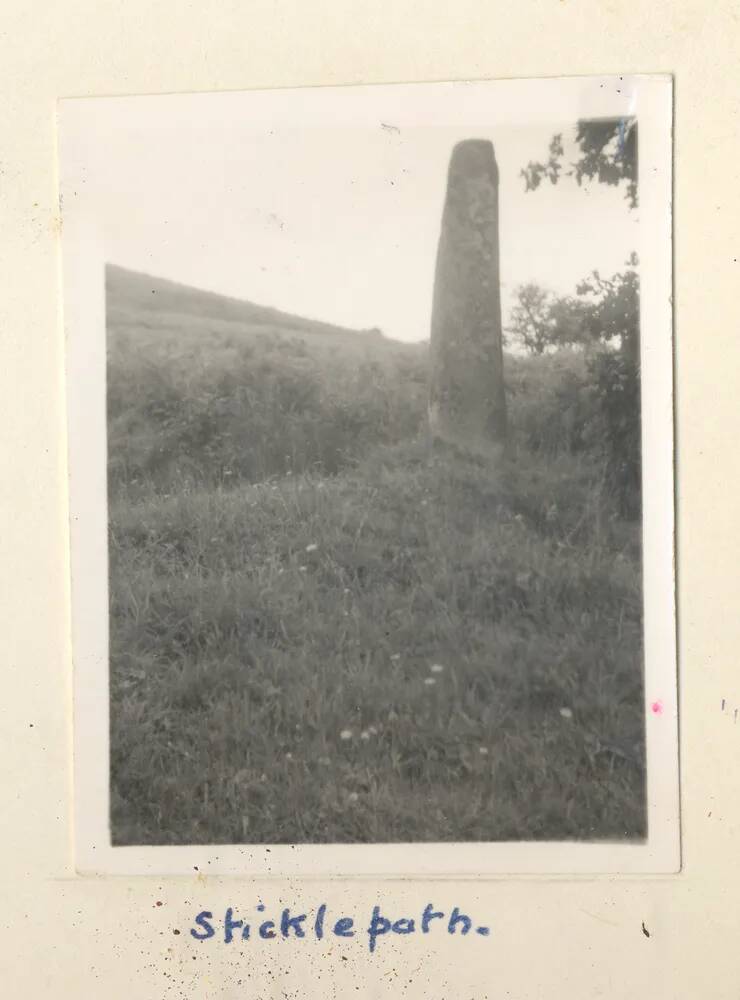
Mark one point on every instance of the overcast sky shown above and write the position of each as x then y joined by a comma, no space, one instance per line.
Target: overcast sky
333,213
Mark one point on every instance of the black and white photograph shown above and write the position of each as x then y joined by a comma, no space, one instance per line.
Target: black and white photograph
370,432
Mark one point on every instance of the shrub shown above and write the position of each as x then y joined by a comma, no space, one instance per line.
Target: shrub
223,411
552,408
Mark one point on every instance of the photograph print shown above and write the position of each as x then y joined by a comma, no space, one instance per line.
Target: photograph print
370,459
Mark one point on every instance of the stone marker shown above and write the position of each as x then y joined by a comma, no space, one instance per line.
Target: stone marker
467,406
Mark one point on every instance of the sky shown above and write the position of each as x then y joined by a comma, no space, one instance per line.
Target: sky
331,208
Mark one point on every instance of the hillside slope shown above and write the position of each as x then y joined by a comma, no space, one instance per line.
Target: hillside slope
141,300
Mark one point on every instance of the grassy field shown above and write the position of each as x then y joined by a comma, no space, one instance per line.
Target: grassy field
323,631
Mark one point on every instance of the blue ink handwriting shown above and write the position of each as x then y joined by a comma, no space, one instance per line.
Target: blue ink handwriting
289,924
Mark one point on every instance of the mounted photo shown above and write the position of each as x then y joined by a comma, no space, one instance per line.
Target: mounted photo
371,479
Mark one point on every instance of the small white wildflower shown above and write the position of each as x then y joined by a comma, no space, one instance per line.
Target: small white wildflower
364,735
353,796
395,657
301,569
312,547
567,713
346,590
483,751
373,731
289,756
346,734
436,668
429,681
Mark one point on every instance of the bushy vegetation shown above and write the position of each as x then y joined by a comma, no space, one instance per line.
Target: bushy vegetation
230,411
323,631
602,319
604,310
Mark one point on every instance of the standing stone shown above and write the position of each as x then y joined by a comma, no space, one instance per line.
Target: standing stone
467,405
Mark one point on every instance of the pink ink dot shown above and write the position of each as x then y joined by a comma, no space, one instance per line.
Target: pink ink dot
657,707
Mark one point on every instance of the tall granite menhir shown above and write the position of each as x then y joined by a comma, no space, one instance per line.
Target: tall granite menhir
467,405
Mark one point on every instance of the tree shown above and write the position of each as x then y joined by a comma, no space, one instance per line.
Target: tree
539,319
529,321
612,308
607,152
609,307
604,310
612,314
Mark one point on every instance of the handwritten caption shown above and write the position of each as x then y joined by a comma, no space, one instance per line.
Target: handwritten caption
290,924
